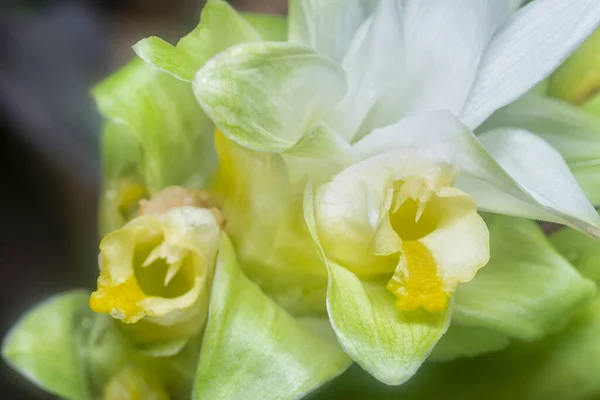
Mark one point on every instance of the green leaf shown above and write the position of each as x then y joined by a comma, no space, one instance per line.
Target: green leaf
527,290
270,27
220,27
253,349
506,171
468,341
262,96
40,346
581,251
570,130
175,137
388,343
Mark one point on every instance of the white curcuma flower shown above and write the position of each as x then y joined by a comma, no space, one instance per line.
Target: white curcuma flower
388,92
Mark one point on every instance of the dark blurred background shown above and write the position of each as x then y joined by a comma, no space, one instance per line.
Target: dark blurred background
51,53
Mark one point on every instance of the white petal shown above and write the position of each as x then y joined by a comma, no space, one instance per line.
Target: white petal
536,40
569,129
542,173
327,26
444,43
375,58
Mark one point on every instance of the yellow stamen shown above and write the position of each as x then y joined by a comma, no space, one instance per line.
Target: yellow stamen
419,285
122,301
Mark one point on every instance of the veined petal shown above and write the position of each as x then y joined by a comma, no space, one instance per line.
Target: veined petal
262,95
375,59
445,41
388,343
327,26
570,130
503,176
527,290
220,27
525,50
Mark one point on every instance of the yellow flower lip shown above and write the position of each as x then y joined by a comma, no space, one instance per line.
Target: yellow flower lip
160,264
121,300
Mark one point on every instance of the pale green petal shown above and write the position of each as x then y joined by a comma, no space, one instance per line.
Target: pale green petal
262,95
525,50
512,172
270,27
527,290
581,251
572,131
388,343
468,341
220,27
327,26
253,349
175,137
40,346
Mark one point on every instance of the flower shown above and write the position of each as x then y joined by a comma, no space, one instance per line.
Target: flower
159,266
396,216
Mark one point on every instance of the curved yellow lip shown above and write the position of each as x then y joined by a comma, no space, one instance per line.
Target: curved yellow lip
418,285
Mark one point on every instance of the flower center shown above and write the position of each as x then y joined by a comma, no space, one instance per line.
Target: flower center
162,270
415,213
